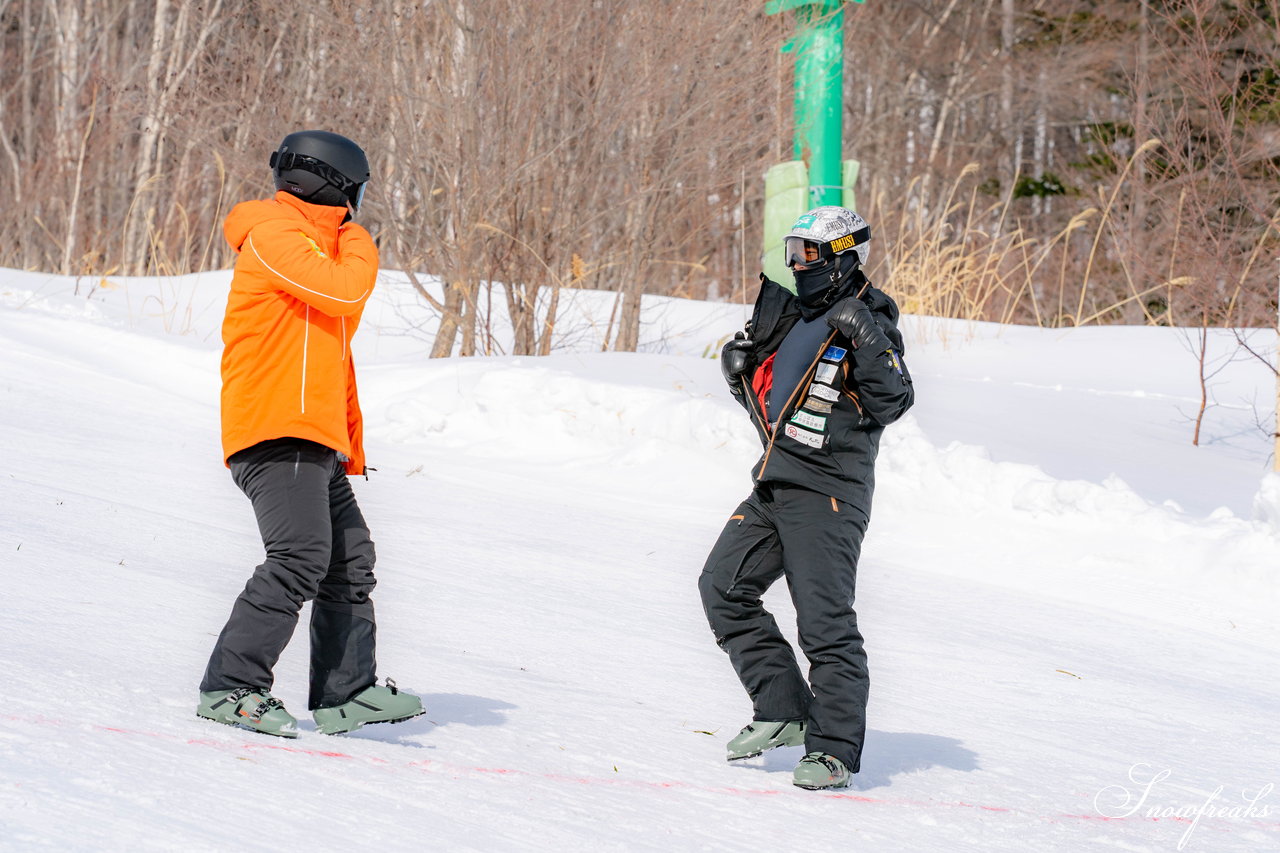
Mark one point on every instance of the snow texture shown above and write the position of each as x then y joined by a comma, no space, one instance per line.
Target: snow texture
1070,611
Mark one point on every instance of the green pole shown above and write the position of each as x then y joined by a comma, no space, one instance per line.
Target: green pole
819,96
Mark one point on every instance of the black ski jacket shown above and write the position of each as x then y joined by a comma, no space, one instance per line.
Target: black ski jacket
825,437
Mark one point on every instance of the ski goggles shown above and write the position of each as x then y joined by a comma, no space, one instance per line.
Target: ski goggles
811,253
797,250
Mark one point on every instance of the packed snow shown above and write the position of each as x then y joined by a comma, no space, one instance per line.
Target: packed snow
1071,612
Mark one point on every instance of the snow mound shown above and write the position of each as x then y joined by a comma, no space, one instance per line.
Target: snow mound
965,476
1266,503
513,407
1106,521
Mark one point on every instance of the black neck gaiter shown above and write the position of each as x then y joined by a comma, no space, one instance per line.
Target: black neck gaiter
328,195
819,289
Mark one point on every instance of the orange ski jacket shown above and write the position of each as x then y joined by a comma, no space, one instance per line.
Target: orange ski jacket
301,282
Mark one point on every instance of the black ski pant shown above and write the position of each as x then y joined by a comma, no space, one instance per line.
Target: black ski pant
319,550
814,541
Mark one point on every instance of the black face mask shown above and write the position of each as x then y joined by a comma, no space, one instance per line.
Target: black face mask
814,286
819,288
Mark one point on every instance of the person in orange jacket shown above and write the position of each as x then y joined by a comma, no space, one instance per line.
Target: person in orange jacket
291,433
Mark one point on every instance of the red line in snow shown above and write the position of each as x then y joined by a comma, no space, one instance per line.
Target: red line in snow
431,765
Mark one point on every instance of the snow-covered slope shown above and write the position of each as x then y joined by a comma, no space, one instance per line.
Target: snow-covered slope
1062,598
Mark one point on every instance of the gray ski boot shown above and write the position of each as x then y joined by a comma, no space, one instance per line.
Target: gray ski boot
248,708
761,735
371,705
818,771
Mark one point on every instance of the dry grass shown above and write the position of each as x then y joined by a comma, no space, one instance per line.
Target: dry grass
966,258
170,255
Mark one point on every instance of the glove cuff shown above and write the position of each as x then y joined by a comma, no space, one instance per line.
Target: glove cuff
874,344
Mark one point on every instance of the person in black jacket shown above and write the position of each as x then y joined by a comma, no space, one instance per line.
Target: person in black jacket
821,374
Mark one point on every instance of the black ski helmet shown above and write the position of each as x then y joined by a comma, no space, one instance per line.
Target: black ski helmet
309,162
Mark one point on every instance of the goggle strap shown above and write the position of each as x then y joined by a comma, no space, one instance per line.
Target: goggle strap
857,238
284,161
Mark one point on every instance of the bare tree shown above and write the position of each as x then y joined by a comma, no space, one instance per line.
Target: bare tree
1026,160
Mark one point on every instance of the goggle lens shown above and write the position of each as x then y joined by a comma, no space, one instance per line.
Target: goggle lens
797,250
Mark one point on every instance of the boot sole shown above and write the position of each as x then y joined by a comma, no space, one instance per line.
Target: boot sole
371,723
820,787
832,787
247,728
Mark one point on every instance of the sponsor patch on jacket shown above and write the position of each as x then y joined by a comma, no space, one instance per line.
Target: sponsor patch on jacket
826,392
812,421
315,247
835,353
826,373
803,436
813,404
894,362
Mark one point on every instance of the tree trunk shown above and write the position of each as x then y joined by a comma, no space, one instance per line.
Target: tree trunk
628,337
1007,71
450,318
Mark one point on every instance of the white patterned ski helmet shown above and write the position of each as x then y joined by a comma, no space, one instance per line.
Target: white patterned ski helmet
824,232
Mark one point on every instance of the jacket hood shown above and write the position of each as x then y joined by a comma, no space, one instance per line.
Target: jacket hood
881,303
883,306
775,312
247,214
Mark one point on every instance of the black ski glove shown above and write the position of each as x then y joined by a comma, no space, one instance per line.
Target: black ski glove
735,360
853,319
